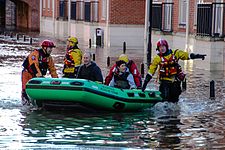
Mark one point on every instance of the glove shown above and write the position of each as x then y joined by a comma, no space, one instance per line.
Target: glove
39,75
196,56
147,79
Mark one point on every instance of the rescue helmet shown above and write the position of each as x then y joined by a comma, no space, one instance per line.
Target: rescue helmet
73,39
47,43
124,58
162,42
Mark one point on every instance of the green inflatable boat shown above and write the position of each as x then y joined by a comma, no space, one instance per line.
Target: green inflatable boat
87,94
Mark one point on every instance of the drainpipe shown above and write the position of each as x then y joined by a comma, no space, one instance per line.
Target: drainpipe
107,24
187,27
146,32
40,25
53,16
149,29
69,17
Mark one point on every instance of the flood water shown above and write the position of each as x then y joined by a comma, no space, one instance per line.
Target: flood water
195,122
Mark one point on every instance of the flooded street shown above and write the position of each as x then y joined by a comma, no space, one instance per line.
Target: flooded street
195,122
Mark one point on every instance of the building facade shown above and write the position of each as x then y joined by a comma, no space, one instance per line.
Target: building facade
195,25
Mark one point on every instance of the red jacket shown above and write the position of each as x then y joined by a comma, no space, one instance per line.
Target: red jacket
132,68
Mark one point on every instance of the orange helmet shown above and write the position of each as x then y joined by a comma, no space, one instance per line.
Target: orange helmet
162,42
47,43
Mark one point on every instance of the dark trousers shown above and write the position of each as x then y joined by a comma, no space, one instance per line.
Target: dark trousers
170,91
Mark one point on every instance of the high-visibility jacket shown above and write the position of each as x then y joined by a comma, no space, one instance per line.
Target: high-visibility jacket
72,59
168,64
37,62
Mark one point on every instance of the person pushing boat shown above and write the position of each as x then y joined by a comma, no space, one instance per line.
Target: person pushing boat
36,64
170,73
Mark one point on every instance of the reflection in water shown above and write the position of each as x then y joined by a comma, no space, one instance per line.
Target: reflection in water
195,122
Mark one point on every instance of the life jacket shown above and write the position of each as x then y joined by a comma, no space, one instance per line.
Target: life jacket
121,80
168,67
68,60
42,61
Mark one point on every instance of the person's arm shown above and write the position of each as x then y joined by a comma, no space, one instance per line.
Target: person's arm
51,67
110,75
137,76
79,72
112,82
98,74
77,56
152,68
179,54
131,81
34,64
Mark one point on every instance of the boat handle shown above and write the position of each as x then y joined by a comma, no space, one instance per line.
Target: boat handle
35,82
56,82
77,83
152,94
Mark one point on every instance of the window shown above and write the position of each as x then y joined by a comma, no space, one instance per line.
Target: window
44,5
48,4
87,6
168,16
61,8
182,10
73,10
80,10
94,11
104,9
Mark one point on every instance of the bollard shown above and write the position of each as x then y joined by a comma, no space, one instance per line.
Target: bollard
212,89
184,85
108,61
93,57
5,34
31,41
17,37
89,43
142,70
124,47
11,35
24,38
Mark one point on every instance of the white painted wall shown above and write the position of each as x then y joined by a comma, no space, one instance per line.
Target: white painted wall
132,35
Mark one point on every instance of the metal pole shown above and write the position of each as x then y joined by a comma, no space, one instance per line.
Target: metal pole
69,17
53,16
149,45
187,27
40,16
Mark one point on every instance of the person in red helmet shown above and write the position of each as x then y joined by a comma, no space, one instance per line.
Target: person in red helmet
36,64
170,73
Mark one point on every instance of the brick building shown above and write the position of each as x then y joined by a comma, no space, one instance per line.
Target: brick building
23,14
110,22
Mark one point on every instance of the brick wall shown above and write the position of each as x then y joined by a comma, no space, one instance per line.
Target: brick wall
127,12
28,14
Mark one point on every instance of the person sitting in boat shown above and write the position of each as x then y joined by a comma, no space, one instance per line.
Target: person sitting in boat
132,68
89,69
73,58
36,64
122,78
170,73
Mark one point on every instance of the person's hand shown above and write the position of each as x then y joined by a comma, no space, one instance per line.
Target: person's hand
39,74
196,56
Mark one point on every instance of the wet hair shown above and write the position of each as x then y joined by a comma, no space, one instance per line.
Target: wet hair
120,62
